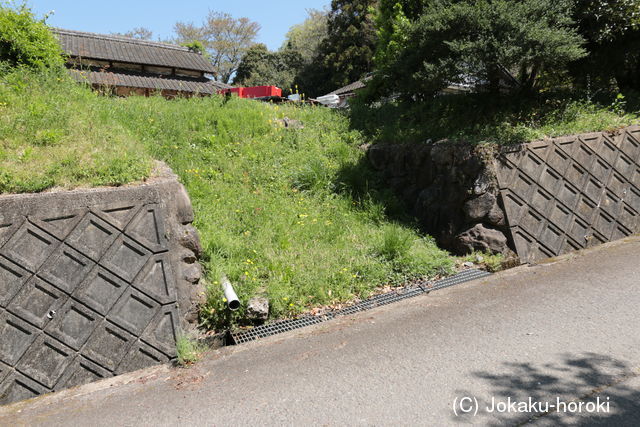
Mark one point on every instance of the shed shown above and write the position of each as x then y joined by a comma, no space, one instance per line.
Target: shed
125,66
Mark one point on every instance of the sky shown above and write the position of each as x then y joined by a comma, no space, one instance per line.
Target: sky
119,16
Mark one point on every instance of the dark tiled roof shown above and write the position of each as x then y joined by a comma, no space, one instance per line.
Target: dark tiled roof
221,85
124,49
148,81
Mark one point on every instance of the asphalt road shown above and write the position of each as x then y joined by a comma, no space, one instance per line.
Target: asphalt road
566,331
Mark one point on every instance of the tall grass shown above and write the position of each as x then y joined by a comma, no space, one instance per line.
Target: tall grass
293,214
55,133
289,213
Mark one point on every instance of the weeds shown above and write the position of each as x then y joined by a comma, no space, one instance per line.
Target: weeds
189,350
492,262
292,213
396,243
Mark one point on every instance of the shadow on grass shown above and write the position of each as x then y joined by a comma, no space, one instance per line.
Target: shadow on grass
481,117
371,193
466,117
584,378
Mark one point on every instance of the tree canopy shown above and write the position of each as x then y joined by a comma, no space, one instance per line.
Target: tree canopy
473,42
348,50
305,38
346,54
261,67
225,39
140,33
612,31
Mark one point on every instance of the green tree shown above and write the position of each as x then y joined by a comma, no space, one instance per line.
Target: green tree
261,67
225,39
196,46
467,41
305,38
393,23
346,54
26,40
612,31
605,20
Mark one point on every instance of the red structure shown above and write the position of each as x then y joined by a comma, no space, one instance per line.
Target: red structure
237,90
254,92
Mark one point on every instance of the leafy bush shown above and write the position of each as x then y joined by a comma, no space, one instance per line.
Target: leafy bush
261,67
472,42
27,41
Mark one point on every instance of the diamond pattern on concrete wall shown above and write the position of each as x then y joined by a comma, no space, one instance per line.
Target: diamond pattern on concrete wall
571,193
85,294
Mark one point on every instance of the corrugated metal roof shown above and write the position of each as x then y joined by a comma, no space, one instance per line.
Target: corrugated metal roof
125,49
146,81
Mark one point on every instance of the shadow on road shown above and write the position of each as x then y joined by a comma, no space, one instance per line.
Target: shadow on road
583,378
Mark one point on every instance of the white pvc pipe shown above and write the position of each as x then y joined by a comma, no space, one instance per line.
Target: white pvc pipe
232,299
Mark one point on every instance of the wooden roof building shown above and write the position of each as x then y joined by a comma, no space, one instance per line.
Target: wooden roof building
126,66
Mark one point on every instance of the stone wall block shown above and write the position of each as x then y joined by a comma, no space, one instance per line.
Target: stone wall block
449,187
190,239
442,154
496,216
481,238
482,184
378,156
479,207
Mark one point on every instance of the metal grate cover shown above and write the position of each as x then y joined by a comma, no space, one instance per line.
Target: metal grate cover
376,301
463,276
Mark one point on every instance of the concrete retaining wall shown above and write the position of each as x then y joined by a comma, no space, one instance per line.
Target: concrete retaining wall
537,200
93,283
571,193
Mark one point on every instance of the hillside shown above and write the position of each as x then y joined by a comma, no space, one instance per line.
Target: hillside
293,214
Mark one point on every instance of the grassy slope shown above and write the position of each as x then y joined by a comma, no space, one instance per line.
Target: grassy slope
53,133
266,206
276,208
292,214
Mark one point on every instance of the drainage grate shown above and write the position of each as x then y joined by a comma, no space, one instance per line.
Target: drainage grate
380,300
278,328
275,328
463,276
